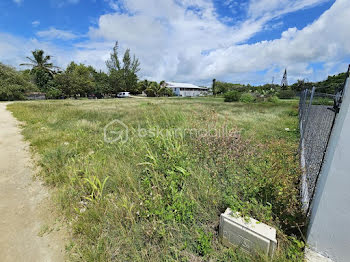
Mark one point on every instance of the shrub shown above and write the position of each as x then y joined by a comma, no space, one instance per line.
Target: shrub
203,243
247,98
286,94
157,90
13,85
232,96
273,99
54,93
168,92
322,101
11,92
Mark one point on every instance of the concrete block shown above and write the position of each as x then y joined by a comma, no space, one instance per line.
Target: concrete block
250,235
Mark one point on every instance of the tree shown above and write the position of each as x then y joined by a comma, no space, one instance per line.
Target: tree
123,75
142,86
13,84
113,63
26,75
130,70
330,85
223,87
153,90
62,83
41,78
42,70
39,61
101,84
114,69
76,80
156,90
213,88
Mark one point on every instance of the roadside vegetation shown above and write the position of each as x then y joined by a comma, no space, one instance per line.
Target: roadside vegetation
271,92
13,84
78,80
158,197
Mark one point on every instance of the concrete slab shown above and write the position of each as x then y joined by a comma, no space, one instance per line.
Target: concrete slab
250,236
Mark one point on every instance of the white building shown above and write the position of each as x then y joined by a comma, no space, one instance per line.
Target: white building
183,89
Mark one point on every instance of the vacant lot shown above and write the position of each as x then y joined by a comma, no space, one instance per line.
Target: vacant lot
158,196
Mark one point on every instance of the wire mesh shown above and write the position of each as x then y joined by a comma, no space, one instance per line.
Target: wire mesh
315,124
317,114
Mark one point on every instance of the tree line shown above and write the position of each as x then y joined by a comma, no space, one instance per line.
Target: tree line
260,93
329,86
77,80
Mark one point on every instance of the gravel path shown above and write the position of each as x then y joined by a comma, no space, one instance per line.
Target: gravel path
24,202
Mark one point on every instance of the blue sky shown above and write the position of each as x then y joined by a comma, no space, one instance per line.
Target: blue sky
185,40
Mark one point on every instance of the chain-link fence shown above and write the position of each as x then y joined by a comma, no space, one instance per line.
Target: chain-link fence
317,112
315,124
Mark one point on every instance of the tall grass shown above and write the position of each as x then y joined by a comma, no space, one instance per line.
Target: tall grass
158,198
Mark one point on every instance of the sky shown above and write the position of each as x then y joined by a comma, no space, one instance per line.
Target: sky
238,41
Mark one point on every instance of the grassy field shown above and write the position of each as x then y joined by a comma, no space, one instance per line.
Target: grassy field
158,196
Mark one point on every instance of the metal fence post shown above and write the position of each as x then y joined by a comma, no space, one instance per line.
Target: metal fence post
308,110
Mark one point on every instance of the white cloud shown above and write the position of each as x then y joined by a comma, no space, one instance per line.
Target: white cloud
275,8
170,38
35,23
54,33
14,50
184,40
18,2
326,41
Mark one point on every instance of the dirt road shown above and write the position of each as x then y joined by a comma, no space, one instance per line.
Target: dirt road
24,211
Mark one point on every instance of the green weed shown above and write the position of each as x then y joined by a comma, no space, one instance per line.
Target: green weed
159,197
96,187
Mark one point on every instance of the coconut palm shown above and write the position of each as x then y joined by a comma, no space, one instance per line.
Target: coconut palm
39,61
154,89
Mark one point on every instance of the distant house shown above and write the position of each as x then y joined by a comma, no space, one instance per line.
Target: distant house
35,96
187,90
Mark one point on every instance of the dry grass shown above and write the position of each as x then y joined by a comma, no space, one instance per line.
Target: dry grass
164,193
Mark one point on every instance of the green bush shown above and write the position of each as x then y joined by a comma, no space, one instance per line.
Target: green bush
286,94
247,98
203,243
168,92
54,93
273,99
323,101
13,85
157,90
232,96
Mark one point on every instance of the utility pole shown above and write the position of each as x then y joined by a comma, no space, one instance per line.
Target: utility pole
213,87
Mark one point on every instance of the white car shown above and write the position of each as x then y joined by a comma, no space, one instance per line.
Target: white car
123,94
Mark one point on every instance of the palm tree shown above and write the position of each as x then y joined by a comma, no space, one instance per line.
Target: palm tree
162,83
39,61
158,89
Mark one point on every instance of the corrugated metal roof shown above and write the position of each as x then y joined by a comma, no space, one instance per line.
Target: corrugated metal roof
183,85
